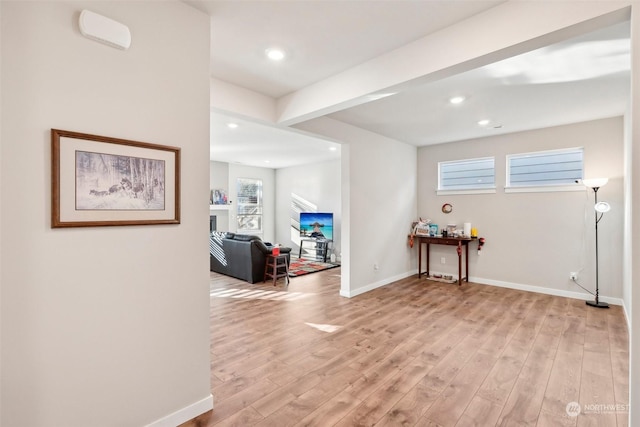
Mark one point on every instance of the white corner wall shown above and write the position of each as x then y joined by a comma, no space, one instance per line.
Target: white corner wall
379,202
319,183
1,238
102,326
627,276
634,293
534,240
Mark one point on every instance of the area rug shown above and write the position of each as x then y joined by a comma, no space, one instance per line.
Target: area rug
301,266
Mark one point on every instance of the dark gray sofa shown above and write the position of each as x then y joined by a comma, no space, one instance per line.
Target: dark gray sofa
239,255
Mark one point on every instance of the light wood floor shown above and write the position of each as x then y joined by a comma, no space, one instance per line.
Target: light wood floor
414,353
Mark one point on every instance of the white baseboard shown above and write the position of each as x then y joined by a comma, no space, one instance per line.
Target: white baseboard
541,290
372,286
185,414
529,288
626,316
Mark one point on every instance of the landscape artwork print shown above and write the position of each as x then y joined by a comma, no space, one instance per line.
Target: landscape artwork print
99,181
115,182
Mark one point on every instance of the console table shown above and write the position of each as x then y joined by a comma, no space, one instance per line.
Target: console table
450,241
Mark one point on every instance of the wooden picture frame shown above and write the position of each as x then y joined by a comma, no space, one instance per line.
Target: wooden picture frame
101,181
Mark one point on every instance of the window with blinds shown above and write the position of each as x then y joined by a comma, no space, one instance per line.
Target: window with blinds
470,174
249,206
545,168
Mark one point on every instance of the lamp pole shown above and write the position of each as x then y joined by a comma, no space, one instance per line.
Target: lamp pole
597,302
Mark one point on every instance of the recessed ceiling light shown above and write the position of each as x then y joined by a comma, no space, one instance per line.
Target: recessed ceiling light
484,122
333,148
232,125
457,99
267,161
275,54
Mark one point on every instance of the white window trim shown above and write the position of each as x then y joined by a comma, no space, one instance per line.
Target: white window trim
508,188
544,188
471,190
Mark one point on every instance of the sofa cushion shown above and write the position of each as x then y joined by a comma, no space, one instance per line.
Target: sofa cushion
245,237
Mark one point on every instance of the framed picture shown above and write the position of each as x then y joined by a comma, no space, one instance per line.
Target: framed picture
103,181
421,230
218,197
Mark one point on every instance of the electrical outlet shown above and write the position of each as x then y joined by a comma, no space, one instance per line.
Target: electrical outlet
573,275
443,260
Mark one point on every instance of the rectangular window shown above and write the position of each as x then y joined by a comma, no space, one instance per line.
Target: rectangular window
545,168
471,174
249,205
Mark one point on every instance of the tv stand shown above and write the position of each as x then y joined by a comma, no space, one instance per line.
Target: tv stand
321,246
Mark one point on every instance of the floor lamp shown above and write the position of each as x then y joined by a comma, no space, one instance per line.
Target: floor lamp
600,208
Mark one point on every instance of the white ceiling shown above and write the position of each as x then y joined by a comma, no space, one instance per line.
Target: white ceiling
261,145
577,80
581,79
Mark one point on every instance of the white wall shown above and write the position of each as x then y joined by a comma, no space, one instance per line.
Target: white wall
103,326
268,193
1,237
378,205
628,217
219,176
319,183
633,293
535,239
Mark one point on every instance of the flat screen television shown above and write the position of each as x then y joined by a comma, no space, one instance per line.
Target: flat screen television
316,224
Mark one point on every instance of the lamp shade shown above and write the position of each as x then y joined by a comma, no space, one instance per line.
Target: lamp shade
602,207
595,182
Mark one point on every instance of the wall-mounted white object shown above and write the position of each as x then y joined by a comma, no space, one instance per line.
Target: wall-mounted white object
104,30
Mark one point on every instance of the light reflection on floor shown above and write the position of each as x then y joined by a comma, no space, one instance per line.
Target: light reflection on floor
259,294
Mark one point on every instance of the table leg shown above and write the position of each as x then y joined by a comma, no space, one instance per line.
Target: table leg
466,263
459,264
419,257
428,259
286,270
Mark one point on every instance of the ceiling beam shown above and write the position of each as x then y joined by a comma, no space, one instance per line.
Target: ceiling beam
504,31
224,96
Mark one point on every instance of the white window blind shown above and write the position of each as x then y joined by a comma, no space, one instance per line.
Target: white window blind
545,168
249,206
470,174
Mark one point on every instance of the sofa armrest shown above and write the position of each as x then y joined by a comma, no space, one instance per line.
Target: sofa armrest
266,250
